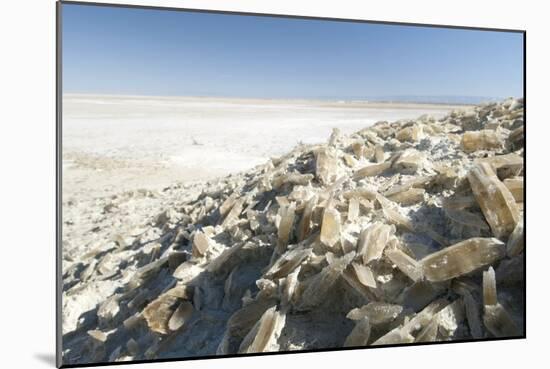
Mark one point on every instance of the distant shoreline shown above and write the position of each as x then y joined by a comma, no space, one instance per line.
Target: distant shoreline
349,103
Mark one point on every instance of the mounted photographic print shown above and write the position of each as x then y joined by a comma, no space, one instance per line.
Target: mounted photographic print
237,183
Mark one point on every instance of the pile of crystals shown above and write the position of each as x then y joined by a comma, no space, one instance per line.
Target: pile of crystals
403,232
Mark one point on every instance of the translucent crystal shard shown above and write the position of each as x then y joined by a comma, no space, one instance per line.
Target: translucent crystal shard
317,286
368,153
331,227
348,243
481,140
392,214
410,134
187,271
289,288
377,312
360,334
244,319
417,182
379,153
362,193
180,316
87,273
429,333
335,136
263,336
132,321
458,202
373,240
371,170
133,347
176,258
326,166
228,204
233,215
515,185
516,242
201,243
109,309
358,149
395,336
410,267
403,333
495,200
353,209
499,322
516,137
217,263
447,177
462,258
292,178
364,275
409,161
158,313
408,197
466,218
349,160
472,308
449,319
512,162
366,286
489,287
288,262
98,335
286,216
305,222
420,294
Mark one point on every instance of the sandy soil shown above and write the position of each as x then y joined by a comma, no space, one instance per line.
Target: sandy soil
120,155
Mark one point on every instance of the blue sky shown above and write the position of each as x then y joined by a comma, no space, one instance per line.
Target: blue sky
155,52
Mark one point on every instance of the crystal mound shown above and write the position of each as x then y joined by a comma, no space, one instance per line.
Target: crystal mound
402,232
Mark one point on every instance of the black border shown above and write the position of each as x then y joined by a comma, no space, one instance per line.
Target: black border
59,109
58,186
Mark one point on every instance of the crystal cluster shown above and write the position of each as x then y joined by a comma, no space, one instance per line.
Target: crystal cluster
403,232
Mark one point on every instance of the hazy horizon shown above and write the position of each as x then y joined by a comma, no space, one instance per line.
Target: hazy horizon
450,100
131,51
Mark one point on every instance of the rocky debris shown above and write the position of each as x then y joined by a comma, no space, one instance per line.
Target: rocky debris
399,233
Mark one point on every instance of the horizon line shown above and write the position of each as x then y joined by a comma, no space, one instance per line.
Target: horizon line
415,99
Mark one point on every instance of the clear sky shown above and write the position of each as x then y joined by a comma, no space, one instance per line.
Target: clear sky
158,52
